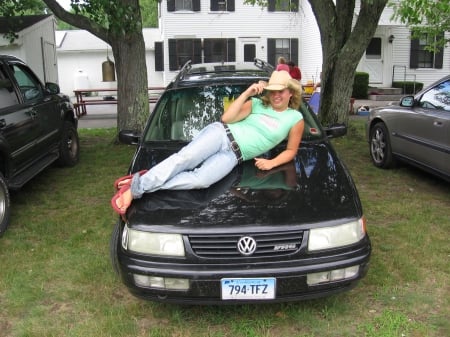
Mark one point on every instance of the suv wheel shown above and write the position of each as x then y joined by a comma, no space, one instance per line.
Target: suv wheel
5,203
69,149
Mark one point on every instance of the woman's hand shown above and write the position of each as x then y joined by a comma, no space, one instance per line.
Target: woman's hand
264,164
256,88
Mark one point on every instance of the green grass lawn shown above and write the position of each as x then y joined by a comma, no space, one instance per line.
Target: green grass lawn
56,277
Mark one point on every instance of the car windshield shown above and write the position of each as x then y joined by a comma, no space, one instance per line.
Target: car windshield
181,113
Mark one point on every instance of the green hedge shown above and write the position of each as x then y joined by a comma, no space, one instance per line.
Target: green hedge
409,87
360,85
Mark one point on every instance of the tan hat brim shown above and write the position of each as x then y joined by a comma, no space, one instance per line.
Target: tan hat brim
275,87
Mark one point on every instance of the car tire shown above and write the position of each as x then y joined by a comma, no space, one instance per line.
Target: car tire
5,205
114,241
69,149
380,146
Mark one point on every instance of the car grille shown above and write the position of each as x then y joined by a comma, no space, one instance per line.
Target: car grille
225,245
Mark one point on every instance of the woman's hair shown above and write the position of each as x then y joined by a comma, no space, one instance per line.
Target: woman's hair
281,60
296,98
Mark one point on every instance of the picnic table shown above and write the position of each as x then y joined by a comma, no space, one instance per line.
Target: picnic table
83,97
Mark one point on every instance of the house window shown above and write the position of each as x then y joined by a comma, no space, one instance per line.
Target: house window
288,48
183,5
249,52
373,50
420,57
183,50
222,5
219,50
283,5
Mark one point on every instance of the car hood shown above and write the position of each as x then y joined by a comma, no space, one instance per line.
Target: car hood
314,188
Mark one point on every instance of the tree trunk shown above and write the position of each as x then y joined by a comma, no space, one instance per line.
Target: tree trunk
133,106
342,47
125,37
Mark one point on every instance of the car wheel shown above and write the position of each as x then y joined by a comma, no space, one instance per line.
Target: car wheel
69,149
380,146
114,241
5,203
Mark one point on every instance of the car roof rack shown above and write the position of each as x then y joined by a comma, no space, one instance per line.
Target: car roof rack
264,65
184,69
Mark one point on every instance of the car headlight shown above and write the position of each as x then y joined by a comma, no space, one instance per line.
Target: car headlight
336,236
152,243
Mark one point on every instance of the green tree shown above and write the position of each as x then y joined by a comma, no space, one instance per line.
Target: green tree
118,23
344,37
344,42
425,17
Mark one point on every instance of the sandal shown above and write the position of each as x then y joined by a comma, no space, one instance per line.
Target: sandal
126,180
120,196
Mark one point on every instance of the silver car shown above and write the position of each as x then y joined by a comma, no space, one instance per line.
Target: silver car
416,131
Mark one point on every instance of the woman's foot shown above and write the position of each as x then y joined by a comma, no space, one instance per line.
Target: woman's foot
122,200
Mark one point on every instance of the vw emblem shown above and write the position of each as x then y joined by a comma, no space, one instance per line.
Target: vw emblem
246,245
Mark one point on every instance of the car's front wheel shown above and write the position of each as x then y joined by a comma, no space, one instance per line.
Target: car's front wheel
5,203
69,149
380,146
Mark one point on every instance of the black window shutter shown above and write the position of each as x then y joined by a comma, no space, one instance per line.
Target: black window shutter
173,54
231,47
159,56
439,56
207,49
294,51
171,5
214,5
294,5
414,55
197,57
271,7
230,5
271,52
196,5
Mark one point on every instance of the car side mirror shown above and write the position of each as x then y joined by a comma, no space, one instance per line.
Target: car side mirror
407,101
336,130
129,137
52,88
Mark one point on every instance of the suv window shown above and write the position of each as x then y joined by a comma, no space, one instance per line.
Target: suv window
28,84
7,94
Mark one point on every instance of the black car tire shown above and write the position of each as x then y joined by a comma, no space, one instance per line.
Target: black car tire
113,248
5,203
69,149
380,146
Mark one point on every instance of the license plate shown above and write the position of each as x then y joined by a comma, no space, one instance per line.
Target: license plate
248,289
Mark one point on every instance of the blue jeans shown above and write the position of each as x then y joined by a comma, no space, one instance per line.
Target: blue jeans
205,160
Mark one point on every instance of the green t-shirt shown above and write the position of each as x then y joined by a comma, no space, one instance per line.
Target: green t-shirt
263,129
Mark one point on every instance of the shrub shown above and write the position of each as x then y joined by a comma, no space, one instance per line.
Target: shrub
409,87
360,85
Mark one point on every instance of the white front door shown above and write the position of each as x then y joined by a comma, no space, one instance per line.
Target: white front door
249,48
373,62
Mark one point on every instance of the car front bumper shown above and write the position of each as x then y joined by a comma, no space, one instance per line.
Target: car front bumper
204,280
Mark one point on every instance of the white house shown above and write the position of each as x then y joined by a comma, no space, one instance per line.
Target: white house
231,31
393,56
35,43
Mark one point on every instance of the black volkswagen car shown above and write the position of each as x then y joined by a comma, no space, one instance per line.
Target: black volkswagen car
292,233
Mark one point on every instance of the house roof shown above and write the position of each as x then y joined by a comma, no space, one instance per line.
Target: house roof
19,23
82,40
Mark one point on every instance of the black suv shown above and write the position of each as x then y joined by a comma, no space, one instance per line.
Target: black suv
37,127
292,233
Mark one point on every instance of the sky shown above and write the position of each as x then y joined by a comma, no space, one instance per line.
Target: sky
64,3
